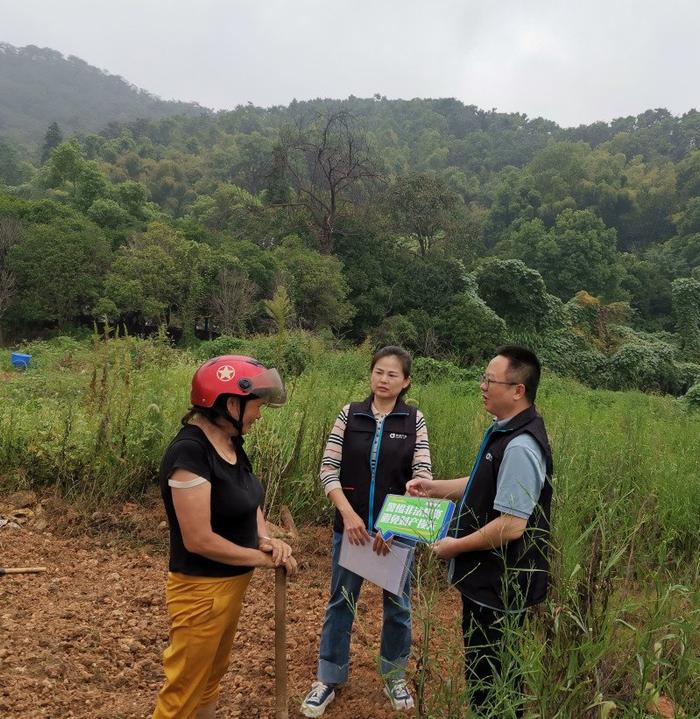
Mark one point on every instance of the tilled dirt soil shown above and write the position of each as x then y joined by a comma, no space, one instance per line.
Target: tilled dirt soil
85,638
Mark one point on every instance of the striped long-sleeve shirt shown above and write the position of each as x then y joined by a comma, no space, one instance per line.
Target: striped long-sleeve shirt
332,455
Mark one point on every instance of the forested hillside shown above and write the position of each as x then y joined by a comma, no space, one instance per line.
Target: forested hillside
431,223
39,86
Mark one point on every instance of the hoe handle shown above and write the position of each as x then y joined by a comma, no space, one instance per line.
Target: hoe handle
281,643
21,570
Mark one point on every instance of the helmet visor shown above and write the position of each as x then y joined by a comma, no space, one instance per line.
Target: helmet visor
268,386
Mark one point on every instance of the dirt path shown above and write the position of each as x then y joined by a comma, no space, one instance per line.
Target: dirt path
84,640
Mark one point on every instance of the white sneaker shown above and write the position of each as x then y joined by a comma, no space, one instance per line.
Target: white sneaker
399,694
316,701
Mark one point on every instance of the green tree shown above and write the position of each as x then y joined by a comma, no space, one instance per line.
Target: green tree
686,308
689,176
370,269
52,139
149,277
557,169
66,165
430,286
12,170
653,199
422,208
396,330
470,329
161,277
678,256
108,214
649,290
277,189
132,196
316,285
201,269
170,186
58,270
90,186
252,169
10,235
226,209
515,199
688,221
577,253
516,293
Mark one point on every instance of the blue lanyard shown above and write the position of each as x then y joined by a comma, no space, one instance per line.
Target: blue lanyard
374,459
472,474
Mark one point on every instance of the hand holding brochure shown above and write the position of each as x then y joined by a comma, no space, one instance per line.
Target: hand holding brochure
388,571
416,518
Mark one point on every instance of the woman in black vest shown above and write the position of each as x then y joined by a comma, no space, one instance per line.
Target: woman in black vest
217,529
374,449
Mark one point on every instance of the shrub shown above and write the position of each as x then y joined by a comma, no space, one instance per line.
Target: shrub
223,345
471,329
396,330
298,353
525,302
686,307
691,399
566,352
646,366
426,370
688,374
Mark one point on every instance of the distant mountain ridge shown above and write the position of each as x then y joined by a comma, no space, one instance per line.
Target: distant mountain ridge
39,86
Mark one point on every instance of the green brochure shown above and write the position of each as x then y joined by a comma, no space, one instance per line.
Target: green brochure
417,518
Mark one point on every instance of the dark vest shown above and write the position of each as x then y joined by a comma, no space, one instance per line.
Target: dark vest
365,485
515,575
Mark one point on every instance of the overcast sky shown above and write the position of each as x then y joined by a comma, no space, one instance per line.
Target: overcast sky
572,61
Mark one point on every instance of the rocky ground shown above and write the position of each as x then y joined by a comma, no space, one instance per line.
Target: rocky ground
84,639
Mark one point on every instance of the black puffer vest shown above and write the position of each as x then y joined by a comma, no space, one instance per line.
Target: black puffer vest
365,484
516,575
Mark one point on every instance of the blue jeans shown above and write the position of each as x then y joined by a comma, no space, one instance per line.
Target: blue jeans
334,654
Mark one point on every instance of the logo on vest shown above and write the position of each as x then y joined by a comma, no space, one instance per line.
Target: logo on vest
489,457
396,435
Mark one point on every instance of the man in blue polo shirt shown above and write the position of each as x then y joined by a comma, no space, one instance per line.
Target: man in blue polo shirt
498,548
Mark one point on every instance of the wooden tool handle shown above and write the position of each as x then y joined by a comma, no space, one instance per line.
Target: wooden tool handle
281,711
21,570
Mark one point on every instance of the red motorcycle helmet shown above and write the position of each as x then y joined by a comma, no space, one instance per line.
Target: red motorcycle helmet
237,375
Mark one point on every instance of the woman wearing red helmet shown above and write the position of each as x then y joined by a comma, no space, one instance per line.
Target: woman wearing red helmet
217,529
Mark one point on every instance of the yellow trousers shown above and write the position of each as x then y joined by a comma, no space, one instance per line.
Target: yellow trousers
203,613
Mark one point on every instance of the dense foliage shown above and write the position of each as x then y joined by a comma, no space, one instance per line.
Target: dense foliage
427,222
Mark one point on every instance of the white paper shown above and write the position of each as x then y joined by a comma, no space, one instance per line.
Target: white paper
388,571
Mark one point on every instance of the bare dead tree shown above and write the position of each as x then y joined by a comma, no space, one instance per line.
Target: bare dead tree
234,301
324,159
10,234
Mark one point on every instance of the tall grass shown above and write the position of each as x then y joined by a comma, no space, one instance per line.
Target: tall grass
622,621
91,419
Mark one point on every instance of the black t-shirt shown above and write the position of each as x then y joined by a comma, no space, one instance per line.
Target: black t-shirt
236,495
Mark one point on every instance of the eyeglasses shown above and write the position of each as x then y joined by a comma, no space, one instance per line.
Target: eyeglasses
488,381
